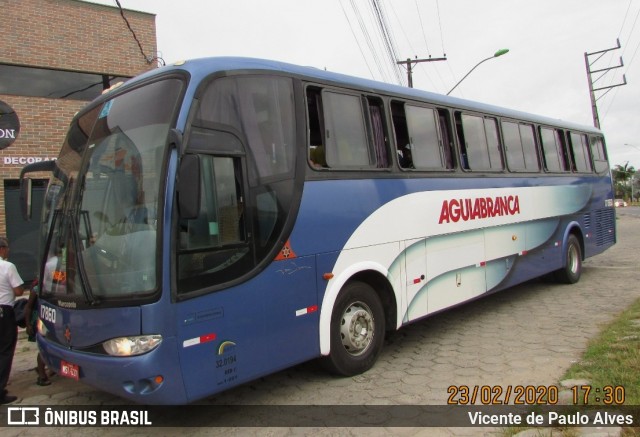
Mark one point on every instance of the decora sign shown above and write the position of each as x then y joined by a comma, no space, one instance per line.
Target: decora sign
9,125
24,160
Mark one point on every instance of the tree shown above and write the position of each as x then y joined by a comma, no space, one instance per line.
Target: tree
623,177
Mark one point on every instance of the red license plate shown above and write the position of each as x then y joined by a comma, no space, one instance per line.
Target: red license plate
69,370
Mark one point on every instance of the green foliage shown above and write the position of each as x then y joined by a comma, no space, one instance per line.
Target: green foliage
625,183
613,358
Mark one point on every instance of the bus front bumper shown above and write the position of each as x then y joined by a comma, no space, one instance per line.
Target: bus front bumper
151,378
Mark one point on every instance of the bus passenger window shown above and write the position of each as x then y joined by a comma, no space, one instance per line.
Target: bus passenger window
418,137
346,131
401,133
520,146
552,150
379,134
481,144
424,139
464,161
564,148
599,153
347,144
580,152
317,151
447,138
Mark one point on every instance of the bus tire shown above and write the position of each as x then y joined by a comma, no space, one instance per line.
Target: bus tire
570,273
356,331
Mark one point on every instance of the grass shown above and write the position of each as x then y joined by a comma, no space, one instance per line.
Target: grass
611,359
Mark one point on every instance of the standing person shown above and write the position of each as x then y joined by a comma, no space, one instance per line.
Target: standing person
31,317
10,287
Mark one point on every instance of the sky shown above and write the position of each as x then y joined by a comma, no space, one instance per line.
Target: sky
544,71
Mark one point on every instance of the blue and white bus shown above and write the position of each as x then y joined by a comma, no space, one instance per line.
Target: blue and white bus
221,219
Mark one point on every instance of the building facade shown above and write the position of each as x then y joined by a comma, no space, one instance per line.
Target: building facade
55,57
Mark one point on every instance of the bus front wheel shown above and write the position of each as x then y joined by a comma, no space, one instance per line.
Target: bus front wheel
570,273
357,330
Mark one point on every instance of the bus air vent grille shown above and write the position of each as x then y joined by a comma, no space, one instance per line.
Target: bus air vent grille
605,224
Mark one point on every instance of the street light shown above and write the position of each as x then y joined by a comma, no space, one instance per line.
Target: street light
495,55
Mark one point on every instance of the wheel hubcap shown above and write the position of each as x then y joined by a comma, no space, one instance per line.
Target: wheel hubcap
357,327
573,259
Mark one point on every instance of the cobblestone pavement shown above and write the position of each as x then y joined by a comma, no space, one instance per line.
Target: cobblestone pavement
526,335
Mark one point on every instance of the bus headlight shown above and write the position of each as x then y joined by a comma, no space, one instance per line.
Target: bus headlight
41,327
129,346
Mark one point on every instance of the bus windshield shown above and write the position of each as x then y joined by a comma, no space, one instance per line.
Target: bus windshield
100,213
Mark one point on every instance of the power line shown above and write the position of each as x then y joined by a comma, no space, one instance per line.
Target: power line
625,19
381,43
148,59
444,56
633,26
387,37
402,29
424,35
369,41
357,42
444,52
409,63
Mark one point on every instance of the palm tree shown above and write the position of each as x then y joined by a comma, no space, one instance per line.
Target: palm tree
622,174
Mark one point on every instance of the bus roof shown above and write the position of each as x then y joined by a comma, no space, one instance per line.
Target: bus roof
202,67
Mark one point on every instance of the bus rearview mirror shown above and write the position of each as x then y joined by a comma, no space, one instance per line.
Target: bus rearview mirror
26,184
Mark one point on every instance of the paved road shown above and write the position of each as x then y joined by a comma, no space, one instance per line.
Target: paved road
628,211
527,335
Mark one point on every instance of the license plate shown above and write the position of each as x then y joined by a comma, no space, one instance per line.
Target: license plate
69,370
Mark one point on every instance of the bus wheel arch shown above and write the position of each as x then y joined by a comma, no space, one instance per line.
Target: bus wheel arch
356,331
380,284
572,256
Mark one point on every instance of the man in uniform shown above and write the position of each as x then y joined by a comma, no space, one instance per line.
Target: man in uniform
11,285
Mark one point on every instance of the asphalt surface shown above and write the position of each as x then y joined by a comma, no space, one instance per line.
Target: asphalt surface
528,335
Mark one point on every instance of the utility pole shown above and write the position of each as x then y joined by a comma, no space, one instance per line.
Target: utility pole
410,63
590,72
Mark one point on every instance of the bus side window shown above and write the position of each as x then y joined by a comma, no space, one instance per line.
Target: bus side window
599,153
347,143
580,152
552,153
379,132
423,137
340,131
401,133
447,138
481,142
564,146
464,161
520,146
316,129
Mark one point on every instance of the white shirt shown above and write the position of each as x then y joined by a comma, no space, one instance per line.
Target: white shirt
49,269
9,279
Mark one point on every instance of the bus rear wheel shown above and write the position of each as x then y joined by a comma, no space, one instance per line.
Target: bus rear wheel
357,330
570,273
